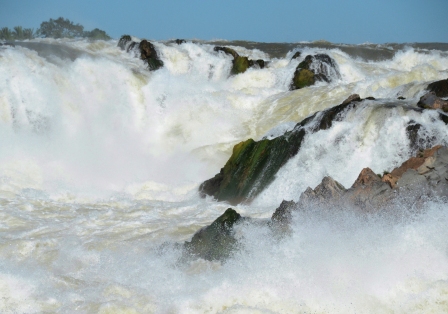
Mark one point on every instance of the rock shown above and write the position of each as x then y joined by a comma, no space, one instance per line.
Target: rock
329,189
302,78
180,41
440,88
412,132
401,98
319,67
296,55
354,97
240,63
368,192
413,163
228,51
123,41
148,53
370,98
216,241
282,215
253,165
431,101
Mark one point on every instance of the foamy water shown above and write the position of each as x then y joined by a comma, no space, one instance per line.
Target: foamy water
101,161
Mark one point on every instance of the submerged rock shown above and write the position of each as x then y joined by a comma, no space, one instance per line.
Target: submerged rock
320,67
216,241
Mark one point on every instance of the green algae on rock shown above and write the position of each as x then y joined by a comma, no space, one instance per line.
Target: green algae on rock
253,165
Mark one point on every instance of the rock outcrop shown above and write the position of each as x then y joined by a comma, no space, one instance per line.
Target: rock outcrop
240,63
253,164
422,176
432,101
146,50
440,88
320,67
425,175
216,241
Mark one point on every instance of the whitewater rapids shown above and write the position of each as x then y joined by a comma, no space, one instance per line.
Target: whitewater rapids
101,160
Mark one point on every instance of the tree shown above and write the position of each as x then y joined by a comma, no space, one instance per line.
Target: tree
28,33
97,34
18,32
60,28
6,34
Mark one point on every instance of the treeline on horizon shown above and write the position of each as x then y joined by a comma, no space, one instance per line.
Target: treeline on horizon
54,28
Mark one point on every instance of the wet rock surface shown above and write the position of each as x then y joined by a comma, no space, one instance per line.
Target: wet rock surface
240,63
320,67
147,51
216,241
432,101
440,88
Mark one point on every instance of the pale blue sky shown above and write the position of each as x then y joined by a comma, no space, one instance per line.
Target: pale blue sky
339,21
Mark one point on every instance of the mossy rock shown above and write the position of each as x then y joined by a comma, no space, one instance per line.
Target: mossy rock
123,41
240,65
312,69
216,241
228,51
253,165
302,78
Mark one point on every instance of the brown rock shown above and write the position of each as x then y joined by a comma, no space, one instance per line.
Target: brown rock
354,97
431,101
440,88
418,163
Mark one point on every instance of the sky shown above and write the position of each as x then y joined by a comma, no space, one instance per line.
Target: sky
338,21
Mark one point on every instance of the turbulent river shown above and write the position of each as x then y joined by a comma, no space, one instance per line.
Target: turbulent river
101,160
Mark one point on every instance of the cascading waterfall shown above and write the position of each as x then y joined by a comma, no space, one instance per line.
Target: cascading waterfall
101,161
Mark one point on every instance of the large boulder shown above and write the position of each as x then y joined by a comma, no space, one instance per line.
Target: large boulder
440,88
148,53
253,164
216,241
320,67
431,101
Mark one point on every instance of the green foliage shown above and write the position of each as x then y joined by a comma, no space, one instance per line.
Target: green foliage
97,34
58,28
18,33
6,34
61,28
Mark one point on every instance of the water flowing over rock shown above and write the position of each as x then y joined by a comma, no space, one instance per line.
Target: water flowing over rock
240,63
253,165
146,50
320,67
418,178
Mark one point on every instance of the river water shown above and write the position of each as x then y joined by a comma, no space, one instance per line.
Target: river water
101,160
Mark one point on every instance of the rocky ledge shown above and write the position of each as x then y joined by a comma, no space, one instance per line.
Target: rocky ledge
417,179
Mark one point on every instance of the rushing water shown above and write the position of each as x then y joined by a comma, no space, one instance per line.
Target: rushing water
101,160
